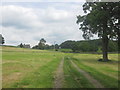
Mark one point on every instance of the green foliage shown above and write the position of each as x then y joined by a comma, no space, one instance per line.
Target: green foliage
103,19
35,47
2,41
67,44
99,50
89,46
41,44
21,45
56,46
112,46
45,47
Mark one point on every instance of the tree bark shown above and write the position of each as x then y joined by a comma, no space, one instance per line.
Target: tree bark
105,41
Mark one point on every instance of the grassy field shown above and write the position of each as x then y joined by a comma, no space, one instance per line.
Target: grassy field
28,68
105,72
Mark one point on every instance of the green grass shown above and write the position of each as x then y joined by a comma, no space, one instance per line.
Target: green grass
105,72
29,68
41,78
65,50
74,79
19,68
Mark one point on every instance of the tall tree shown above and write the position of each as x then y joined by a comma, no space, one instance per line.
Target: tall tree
41,44
21,45
56,47
2,41
115,21
100,19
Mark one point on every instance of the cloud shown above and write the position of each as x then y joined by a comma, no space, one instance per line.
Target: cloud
19,17
28,24
44,0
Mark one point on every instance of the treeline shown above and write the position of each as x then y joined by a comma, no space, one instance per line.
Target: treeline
46,47
24,45
43,46
78,46
89,45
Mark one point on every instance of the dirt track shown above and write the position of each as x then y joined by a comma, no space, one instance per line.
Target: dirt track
59,76
90,78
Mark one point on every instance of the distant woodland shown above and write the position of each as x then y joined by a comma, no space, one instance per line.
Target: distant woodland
80,46
89,46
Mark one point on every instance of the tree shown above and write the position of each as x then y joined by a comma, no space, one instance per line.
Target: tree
35,47
56,47
67,44
21,45
2,41
75,47
100,20
112,47
115,21
46,46
41,44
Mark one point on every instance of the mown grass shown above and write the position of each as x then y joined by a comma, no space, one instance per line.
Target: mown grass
74,79
43,77
29,68
105,72
65,50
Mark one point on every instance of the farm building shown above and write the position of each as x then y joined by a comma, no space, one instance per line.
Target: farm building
26,45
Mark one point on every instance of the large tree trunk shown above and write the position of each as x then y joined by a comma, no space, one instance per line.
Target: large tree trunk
105,41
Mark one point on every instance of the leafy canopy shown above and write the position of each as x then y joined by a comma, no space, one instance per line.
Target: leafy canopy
100,17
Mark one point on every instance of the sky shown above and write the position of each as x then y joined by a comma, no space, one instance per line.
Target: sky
28,22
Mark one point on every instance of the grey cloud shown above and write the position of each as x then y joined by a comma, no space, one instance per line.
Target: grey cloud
29,25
